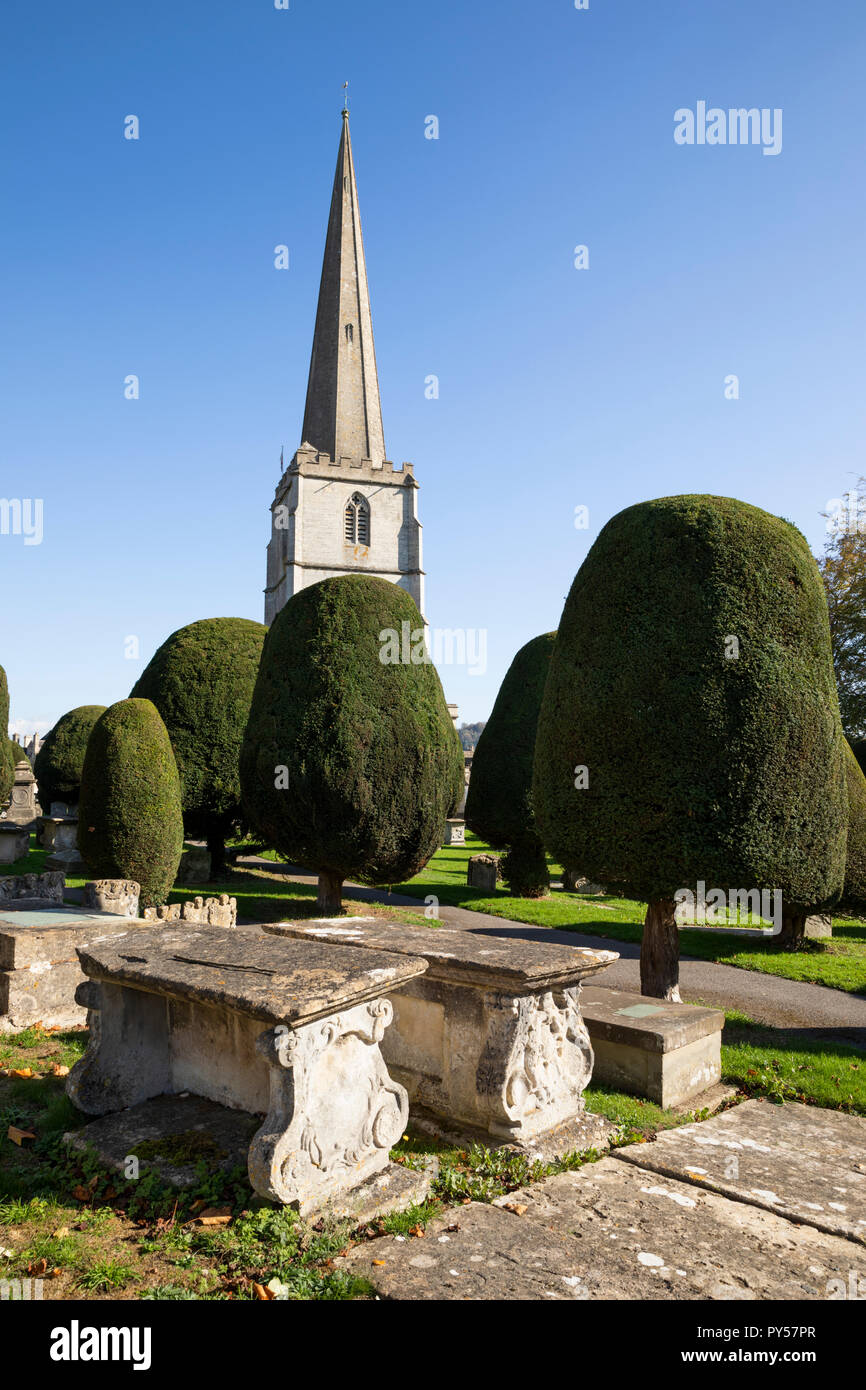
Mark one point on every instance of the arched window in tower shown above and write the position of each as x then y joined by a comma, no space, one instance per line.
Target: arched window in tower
357,520
350,333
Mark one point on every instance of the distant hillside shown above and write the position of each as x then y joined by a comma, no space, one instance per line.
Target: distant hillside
471,733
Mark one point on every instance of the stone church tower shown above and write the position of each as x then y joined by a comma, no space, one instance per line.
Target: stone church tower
341,507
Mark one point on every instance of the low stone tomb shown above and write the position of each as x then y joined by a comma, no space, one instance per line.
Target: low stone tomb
491,1037
39,968
289,1028
59,836
58,833
668,1053
14,842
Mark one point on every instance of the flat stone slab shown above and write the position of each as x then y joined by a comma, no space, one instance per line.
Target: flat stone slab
50,933
498,962
806,1164
173,1124
607,1231
654,1024
274,981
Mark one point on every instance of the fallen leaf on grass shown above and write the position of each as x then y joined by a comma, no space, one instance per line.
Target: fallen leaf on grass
417,1231
261,1293
38,1267
81,1194
23,1072
60,1232
215,1216
57,1069
18,1136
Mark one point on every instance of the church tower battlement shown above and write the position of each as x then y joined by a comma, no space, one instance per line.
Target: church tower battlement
340,506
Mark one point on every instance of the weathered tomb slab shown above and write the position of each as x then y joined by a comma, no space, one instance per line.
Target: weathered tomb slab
271,981
669,1053
491,1038
607,1231
188,1010
802,1162
39,965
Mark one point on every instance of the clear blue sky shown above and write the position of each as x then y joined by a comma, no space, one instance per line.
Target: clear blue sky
559,387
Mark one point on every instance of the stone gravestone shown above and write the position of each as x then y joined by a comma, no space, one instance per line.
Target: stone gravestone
22,809
483,871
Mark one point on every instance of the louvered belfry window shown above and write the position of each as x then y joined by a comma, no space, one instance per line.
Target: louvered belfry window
357,520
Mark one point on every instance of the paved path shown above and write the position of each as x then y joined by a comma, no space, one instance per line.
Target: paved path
813,1010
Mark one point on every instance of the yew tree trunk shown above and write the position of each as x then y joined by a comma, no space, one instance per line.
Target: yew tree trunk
217,850
660,952
793,932
330,898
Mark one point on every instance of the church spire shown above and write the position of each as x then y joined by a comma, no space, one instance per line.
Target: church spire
343,415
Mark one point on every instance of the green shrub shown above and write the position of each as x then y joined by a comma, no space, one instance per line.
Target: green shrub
499,803
692,677
7,753
60,760
201,681
130,823
854,891
349,763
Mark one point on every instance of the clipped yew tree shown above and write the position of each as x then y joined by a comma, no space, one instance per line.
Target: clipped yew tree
59,762
690,728
854,891
349,762
130,823
7,752
201,681
499,802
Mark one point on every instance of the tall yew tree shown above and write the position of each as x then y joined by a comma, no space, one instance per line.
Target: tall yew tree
201,681
499,802
349,763
690,724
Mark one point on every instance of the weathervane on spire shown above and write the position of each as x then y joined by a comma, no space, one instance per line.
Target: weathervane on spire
345,96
